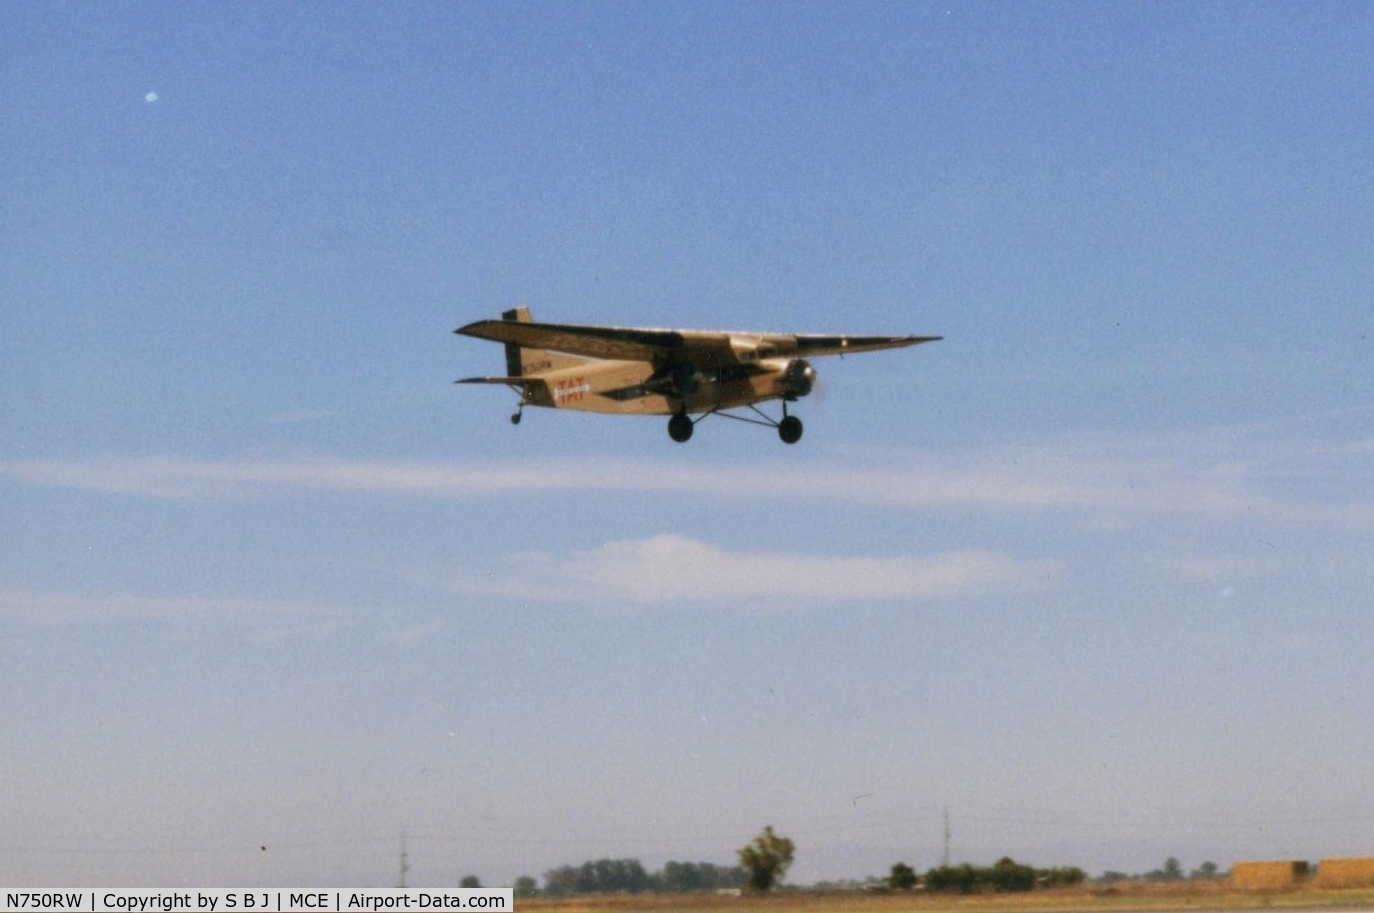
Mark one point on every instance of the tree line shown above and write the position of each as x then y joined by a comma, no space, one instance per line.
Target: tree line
764,862
628,876
762,865
1171,871
1004,876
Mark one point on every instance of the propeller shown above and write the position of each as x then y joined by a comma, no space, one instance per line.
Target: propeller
819,391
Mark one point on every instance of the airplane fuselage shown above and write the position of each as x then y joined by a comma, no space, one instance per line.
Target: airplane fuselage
636,388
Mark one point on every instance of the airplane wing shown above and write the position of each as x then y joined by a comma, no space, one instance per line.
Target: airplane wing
702,348
587,341
506,381
844,345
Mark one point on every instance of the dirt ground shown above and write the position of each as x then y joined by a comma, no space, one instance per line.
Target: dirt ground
1091,899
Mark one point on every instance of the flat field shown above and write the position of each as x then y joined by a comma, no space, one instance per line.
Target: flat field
1079,900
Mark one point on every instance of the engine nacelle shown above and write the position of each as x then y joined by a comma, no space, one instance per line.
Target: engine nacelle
798,378
686,381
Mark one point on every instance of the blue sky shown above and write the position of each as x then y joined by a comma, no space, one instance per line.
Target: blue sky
1093,573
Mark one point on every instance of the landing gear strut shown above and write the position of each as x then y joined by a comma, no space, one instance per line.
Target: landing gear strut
789,427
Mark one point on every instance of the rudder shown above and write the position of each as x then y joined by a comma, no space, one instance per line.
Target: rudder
518,315
522,362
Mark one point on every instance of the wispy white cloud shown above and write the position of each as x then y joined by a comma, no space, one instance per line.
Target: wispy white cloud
188,478
1225,472
267,620
672,569
57,608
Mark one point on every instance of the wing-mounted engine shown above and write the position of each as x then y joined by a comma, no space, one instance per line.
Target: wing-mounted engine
680,377
675,379
685,380
798,378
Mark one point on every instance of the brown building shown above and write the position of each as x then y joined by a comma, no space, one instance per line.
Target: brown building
1356,872
1284,875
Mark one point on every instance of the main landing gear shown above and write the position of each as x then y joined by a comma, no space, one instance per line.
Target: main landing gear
681,425
790,429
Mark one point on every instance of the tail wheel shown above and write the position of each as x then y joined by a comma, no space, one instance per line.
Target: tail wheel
680,428
790,429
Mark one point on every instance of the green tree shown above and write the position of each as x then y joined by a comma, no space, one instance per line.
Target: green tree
766,859
683,877
963,878
470,881
1007,875
525,886
902,877
1172,871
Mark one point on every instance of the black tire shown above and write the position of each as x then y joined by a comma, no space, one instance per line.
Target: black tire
680,428
790,429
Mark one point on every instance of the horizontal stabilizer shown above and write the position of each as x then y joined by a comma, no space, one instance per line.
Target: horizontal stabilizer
506,381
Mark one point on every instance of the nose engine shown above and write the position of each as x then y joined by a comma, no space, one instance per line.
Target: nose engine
798,378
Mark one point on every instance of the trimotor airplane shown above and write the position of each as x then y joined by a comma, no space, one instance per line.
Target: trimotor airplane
680,373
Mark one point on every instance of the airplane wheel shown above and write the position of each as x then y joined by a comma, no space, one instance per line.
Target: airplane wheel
680,428
515,419
790,429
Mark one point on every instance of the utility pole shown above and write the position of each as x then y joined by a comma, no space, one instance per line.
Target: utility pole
944,860
405,860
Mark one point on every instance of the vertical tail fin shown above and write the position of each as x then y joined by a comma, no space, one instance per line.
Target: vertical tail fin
514,368
522,362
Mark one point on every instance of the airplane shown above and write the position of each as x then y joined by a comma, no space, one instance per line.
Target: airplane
678,373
